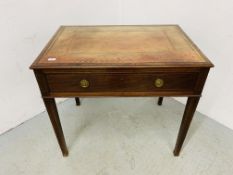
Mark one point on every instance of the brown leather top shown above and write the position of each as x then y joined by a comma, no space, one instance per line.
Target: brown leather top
162,45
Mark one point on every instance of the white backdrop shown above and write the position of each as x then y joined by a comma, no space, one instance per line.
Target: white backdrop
26,25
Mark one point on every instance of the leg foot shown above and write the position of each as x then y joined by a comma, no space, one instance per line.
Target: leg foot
77,101
190,109
51,107
65,154
176,154
160,101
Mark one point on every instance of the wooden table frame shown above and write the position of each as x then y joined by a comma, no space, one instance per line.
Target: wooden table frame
185,79
49,101
187,118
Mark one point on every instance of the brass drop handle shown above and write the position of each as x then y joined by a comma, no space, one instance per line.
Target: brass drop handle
84,83
159,83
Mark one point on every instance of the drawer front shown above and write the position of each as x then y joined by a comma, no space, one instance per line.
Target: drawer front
148,82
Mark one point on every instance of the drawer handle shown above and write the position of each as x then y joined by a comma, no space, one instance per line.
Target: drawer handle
159,82
84,83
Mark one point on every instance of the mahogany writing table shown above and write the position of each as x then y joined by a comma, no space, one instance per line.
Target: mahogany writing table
154,60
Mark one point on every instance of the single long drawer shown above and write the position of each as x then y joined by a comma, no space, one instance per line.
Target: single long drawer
121,82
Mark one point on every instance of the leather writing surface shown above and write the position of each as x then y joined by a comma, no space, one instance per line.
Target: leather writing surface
121,45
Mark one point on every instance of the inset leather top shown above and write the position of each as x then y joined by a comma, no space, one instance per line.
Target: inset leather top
121,46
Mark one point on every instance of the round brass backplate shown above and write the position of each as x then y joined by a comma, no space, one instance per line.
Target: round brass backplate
159,82
84,83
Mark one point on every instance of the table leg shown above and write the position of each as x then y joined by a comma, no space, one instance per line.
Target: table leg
160,101
190,109
77,101
51,107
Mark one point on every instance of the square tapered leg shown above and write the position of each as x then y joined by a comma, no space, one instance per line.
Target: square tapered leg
186,121
160,101
51,107
77,101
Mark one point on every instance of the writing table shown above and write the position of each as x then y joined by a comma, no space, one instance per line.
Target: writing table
121,61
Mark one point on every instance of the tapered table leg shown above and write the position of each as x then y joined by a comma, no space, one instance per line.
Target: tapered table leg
160,101
51,107
77,101
190,109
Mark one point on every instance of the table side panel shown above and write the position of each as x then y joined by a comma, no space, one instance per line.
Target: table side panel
66,83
